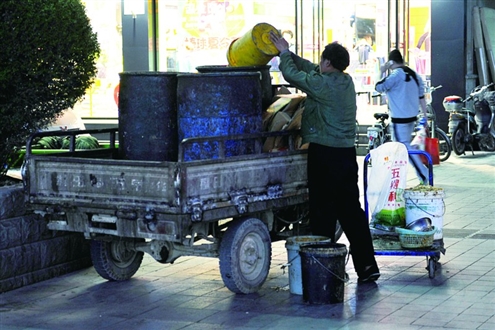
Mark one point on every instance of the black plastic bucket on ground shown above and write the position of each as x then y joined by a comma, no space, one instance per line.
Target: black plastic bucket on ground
263,70
148,116
218,104
293,245
323,272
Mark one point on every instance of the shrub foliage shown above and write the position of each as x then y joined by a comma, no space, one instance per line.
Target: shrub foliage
47,62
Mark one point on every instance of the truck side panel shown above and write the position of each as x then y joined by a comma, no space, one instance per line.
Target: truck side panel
102,183
241,184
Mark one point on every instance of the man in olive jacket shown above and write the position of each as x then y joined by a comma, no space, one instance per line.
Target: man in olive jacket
328,125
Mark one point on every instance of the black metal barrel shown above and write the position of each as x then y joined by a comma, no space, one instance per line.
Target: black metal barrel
218,104
148,116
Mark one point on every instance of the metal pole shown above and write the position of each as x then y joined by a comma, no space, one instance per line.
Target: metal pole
470,75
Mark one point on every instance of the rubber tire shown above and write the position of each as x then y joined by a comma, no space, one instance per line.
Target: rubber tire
444,144
458,141
431,267
113,261
490,146
245,255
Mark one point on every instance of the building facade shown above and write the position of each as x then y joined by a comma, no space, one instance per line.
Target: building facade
180,35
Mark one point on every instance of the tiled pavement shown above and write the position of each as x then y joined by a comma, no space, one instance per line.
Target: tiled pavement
190,293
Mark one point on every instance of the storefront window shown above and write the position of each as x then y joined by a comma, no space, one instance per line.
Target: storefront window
361,26
100,100
184,34
419,38
195,33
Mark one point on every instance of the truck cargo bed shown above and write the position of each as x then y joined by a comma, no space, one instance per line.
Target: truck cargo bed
206,190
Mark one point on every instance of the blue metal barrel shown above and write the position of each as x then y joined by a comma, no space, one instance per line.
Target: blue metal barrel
218,104
263,70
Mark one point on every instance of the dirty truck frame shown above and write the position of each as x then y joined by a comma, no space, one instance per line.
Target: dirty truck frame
230,208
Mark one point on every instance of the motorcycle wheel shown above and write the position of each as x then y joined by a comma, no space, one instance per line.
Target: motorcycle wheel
444,144
459,140
488,143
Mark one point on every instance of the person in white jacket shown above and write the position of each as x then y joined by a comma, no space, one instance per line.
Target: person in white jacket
405,94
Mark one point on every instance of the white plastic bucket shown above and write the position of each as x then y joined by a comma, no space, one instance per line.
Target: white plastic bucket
293,245
426,202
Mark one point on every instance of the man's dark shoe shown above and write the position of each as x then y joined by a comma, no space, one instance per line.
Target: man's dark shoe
369,275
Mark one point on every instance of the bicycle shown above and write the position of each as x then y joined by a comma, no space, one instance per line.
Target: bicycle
380,132
444,142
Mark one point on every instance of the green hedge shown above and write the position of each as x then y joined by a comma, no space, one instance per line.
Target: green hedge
47,62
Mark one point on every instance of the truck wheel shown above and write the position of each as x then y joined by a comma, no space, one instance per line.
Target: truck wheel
245,255
115,260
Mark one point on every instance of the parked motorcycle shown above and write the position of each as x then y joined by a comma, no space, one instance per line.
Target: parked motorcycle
472,127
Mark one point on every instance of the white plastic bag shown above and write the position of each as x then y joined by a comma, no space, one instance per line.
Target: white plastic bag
387,179
419,139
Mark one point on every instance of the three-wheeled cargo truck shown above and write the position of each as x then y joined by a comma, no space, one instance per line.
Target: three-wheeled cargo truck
230,207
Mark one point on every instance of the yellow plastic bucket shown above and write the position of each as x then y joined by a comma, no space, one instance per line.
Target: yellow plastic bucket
254,47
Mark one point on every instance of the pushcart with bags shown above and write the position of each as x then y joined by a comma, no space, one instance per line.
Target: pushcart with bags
397,241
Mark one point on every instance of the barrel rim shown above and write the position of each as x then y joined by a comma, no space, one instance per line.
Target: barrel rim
218,74
338,249
292,243
149,73
265,46
233,68
292,240
438,193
